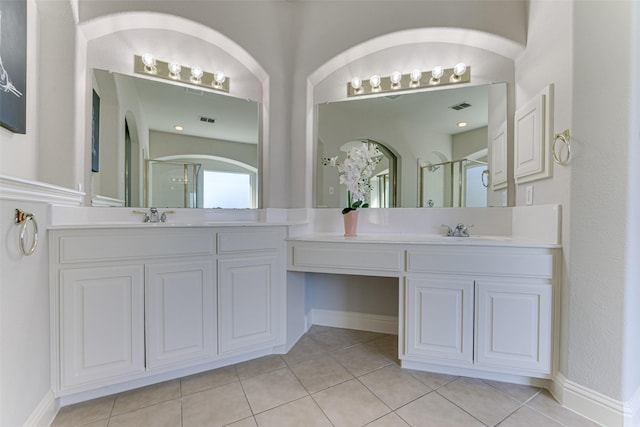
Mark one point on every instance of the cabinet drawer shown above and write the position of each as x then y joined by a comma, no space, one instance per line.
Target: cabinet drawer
537,264
109,245
346,259
254,240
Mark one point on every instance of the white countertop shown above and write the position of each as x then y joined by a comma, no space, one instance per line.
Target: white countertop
430,239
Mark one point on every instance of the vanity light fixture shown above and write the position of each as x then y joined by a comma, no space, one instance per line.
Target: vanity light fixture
458,71
375,81
196,74
218,79
395,78
174,70
416,79
356,84
436,74
148,65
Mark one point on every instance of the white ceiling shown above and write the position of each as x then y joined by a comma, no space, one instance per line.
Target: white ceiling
431,108
166,105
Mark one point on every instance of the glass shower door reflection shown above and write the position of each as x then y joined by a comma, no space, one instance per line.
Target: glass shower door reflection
171,184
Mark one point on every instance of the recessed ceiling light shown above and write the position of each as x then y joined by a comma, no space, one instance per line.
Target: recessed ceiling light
462,124
178,127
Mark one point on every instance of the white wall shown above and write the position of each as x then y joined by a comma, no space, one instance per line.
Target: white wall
24,317
546,60
603,274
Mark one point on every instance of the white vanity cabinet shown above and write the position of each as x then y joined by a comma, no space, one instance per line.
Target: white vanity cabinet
250,290
101,323
488,308
466,307
128,304
180,312
440,319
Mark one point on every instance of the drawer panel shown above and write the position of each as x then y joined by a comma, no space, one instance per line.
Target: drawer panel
109,245
254,240
535,264
346,259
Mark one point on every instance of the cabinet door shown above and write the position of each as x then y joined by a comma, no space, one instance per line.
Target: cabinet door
248,295
181,322
101,324
440,319
514,326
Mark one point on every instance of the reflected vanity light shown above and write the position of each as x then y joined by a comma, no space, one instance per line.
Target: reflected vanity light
416,79
462,124
178,127
147,64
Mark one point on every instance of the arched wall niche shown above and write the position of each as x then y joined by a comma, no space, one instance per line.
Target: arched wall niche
490,57
110,43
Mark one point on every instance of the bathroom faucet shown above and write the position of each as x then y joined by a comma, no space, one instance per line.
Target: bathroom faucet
461,230
154,215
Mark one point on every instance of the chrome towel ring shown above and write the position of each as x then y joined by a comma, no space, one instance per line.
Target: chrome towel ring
24,219
565,139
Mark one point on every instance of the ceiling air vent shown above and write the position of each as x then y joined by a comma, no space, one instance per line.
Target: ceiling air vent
207,119
460,106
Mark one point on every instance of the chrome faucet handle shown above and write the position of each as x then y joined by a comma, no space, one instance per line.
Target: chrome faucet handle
145,216
465,231
449,230
163,217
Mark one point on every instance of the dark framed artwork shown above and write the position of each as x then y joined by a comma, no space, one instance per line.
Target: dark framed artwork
95,133
13,65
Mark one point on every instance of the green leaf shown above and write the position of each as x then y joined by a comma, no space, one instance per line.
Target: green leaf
347,210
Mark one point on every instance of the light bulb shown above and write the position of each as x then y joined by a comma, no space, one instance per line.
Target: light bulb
356,83
149,63
374,81
437,72
459,69
196,73
148,60
395,78
415,76
219,77
174,70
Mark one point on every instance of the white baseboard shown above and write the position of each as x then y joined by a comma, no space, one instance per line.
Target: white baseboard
593,405
44,413
353,320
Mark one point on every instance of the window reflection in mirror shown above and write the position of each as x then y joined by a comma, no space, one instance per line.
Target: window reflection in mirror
168,128
420,129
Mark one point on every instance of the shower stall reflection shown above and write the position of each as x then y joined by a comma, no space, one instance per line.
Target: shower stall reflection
456,183
171,184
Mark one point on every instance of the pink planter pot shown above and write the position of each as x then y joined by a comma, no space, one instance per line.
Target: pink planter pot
351,223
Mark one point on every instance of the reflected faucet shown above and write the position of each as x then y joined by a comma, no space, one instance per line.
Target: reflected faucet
461,230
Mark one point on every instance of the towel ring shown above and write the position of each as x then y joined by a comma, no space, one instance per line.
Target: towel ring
564,138
485,182
24,219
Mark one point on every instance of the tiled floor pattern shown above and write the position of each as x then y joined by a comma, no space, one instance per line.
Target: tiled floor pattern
332,377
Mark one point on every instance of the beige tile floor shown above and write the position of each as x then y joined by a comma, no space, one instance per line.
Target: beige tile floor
332,377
